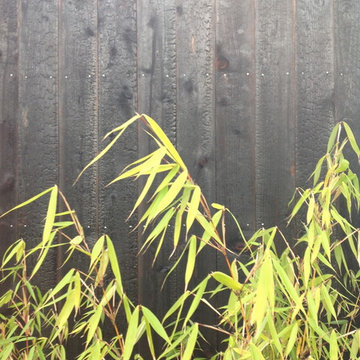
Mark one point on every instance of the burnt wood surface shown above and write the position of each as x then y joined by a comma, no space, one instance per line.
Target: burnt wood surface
248,91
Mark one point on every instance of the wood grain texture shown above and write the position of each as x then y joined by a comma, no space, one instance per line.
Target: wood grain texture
8,111
235,113
78,109
37,120
117,103
157,97
315,84
275,120
347,72
195,122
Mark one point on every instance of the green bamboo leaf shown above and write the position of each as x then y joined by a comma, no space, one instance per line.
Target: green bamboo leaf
289,287
152,211
159,228
97,249
148,165
50,216
317,172
27,202
155,323
177,229
208,227
100,155
150,339
93,324
165,140
144,191
77,291
44,251
173,191
66,280
114,265
6,351
123,126
194,305
332,137
191,260
18,250
191,343
274,335
130,339
334,348
300,202
167,179
256,352
193,207
292,338
227,281
178,303
310,211
351,138
206,236
326,300
66,309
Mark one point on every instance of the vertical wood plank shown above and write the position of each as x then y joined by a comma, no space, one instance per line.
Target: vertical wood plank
78,107
275,120
235,113
347,74
9,78
157,97
78,121
37,120
315,84
195,121
117,103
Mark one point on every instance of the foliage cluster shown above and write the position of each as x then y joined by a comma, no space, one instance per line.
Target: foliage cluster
302,303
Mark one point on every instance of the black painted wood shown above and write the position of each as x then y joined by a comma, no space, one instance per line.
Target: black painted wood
78,110
347,74
196,124
8,112
37,120
157,97
315,84
79,68
117,102
235,114
275,120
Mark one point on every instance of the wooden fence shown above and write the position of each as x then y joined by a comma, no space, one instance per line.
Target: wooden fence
247,90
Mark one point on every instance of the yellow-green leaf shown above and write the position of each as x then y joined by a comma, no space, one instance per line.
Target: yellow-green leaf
191,260
193,207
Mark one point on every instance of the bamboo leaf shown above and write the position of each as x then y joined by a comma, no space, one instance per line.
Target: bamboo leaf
93,324
191,343
165,140
334,348
130,338
173,191
27,202
351,138
100,155
191,260
114,265
226,280
194,305
155,323
255,352
332,137
326,300
98,247
193,207
292,338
